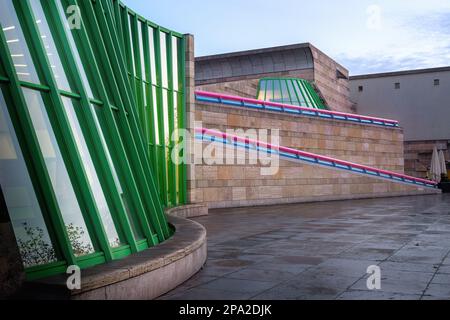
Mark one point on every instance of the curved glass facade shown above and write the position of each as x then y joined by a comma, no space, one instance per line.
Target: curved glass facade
293,91
90,95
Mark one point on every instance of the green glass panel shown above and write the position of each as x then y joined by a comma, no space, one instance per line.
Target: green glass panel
20,54
31,233
62,186
91,173
74,50
50,47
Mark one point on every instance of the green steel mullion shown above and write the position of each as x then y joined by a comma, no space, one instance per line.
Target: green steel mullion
126,38
307,93
3,79
129,180
149,123
138,160
295,91
148,186
138,79
265,92
182,119
116,6
89,128
141,164
315,96
281,91
308,90
33,156
288,91
172,170
117,13
162,146
35,86
64,136
303,93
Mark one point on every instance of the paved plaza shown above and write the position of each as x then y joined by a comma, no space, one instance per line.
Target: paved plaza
322,251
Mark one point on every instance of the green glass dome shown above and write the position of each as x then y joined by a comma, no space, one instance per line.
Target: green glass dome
294,91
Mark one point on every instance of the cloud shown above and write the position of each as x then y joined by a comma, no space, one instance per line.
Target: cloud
420,41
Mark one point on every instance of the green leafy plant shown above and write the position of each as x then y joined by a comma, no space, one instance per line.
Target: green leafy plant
35,250
80,248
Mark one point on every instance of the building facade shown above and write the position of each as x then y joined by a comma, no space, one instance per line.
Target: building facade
419,99
239,73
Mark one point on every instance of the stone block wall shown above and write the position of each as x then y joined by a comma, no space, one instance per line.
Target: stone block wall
243,185
332,80
418,155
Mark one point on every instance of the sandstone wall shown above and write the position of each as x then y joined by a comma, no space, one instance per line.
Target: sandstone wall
243,185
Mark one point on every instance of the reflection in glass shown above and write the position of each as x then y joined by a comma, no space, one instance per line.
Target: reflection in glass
133,65
276,91
62,186
163,45
17,45
262,90
284,93
74,48
91,173
155,116
141,51
29,226
151,41
166,117
137,231
294,99
50,47
175,63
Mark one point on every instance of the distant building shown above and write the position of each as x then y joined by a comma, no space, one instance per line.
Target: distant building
419,99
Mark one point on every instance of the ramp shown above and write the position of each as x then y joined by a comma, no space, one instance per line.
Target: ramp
228,100
295,155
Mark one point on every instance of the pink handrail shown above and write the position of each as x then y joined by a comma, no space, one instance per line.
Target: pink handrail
308,154
289,106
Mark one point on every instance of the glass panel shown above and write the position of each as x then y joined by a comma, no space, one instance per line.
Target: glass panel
97,117
133,65
141,50
276,91
285,98
91,173
75,52
152,56
125,198
293,93
164,78
175,63
297,86
15,39
50,47
155,116
166,116
62,186
29,226
262,90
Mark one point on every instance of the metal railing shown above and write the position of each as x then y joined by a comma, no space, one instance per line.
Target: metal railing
225,99
310,158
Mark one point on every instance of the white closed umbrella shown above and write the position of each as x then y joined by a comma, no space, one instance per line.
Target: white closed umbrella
435,168
442,162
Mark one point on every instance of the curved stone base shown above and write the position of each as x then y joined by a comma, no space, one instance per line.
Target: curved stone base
142,276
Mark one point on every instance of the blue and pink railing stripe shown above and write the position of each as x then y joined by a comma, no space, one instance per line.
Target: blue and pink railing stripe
225,99
310,158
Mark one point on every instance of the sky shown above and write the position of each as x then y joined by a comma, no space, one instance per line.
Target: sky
364,36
